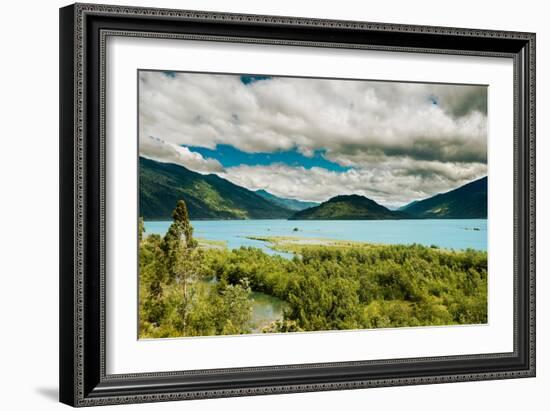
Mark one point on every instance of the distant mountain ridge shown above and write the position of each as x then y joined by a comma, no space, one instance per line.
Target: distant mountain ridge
467,201
288,203
161,185
349,207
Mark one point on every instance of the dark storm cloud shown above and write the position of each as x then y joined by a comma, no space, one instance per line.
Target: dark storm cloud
446,150
460,102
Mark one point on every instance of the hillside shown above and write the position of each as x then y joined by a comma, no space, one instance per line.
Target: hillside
288,203
161,185
468,201
349,207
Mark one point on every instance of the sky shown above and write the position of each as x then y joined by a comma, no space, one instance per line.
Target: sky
313,139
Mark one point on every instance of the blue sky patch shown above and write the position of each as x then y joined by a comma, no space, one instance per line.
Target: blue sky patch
230,156
246,80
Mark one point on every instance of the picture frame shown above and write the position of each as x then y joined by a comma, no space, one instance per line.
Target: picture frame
84,30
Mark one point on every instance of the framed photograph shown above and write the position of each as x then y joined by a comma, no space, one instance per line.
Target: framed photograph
261,204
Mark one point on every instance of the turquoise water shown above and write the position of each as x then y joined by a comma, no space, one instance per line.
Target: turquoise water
453,234
265,309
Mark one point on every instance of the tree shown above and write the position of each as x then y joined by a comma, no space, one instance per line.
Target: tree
152,277
181,220
179,237
237,308
141,229
182,257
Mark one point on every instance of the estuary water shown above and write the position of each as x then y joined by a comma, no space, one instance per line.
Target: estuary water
451,234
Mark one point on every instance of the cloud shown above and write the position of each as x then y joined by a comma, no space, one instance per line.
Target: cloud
393,185
398,119
460,101
160,150
401,139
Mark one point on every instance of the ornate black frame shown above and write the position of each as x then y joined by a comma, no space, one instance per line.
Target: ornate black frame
83,30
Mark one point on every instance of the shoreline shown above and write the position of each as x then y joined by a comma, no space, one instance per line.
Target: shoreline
282,235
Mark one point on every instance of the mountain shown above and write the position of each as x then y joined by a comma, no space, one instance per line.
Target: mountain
349,207
288,203
407,205
468,201
161,185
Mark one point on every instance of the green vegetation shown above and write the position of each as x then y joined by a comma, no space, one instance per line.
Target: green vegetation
468,201
206,243
161,185
174,299
190,289
295,245
349,207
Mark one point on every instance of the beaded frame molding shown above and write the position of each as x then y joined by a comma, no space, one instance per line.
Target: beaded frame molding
84,29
